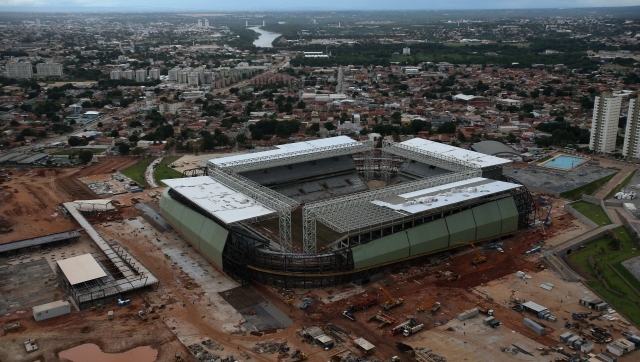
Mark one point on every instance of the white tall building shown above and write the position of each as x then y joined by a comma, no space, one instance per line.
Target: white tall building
604,124
141,75
154,73
199,23
19,70
49,69
206,23
38,23
116,74
631,148
406,51
128,74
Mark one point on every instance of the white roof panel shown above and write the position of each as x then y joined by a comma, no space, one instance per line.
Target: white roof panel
476,158
224,203
449,194
80,269
284,150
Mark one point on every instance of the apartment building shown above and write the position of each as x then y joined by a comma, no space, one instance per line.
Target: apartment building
49,69
631,149
19,70
604,124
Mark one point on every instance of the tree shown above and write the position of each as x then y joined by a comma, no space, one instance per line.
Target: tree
137,151
100,125
301,105
114,133
447,127
85,156
329,126
123,148
73,141
241,138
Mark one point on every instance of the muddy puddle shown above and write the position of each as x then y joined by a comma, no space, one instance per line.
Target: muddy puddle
92,353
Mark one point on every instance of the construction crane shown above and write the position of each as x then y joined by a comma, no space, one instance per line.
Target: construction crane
548,222
391,301
479,259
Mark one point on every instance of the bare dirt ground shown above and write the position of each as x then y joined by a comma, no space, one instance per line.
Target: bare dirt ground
124,332
33,210
107,165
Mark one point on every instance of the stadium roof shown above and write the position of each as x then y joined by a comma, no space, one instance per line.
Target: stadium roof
80,269
478,159
492,148
286,154
444,195
220,201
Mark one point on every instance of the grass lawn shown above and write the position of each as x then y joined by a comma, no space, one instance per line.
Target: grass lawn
163,171
604,255
620,186
593,212
68,152
136,172
588,189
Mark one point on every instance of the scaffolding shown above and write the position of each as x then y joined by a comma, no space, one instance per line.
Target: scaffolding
267,197
355,211
427,157
283,159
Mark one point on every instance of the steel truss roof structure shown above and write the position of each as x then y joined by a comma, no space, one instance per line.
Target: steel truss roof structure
282,157
269,198
355,211
427,157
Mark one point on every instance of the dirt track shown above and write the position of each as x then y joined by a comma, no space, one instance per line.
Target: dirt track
107,165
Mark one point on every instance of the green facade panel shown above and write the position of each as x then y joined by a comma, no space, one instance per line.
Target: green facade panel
385,249
428,237
509,215
488,220
190,226
212,239
462,227
171,210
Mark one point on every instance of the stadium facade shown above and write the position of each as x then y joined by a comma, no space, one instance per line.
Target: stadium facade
310,214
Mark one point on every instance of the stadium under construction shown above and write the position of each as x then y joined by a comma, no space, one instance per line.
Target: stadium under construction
335,210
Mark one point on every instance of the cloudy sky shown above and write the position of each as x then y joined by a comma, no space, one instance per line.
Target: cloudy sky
282,5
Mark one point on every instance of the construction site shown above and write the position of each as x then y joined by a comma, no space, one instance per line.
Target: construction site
324,252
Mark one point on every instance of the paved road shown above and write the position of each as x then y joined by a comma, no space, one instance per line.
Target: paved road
148,173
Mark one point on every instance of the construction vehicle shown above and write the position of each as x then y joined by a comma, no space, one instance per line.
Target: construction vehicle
391,301
407,328
384,319
480,258
485,310
454,277
424,306
435,308
349,313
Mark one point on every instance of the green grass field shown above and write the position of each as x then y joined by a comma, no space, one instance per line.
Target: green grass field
163,171
620,186
68,152
593,212
587,189
136,172
607,257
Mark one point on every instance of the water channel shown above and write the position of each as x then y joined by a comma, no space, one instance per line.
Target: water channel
265,39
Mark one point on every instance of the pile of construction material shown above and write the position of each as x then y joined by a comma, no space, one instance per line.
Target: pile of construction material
201,354
212,345
271,346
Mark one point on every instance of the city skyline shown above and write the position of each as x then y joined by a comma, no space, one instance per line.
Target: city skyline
288,5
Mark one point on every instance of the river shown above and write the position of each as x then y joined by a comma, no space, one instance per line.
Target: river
265,39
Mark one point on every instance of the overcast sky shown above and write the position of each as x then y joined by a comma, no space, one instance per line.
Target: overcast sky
284,5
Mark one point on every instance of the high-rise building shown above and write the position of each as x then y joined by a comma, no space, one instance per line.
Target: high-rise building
154,73
406,51
604,124
49,70
38,23
141,75
128,74
19,70
116,74
631,148
206,23
199,23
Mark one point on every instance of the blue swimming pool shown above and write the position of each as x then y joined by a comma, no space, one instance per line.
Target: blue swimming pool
565,162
